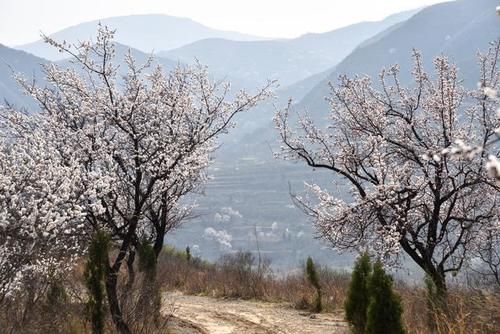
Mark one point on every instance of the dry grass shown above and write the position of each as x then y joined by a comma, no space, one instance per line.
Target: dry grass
466,310
239,275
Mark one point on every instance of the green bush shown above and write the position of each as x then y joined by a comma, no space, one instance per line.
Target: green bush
95,269
312,277
188,254
371,306
384,310
358,298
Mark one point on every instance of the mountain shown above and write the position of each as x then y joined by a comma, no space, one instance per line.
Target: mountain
339,43
252,62
457,29
140,58
286,60
147,33
16,61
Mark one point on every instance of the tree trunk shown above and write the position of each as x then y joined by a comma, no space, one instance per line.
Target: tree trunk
436,296
114,305
439,285
159,240
130,270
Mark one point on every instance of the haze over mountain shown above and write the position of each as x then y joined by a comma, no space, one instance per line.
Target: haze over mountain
147,33
286,60
339,43
457,29
249,197
16,61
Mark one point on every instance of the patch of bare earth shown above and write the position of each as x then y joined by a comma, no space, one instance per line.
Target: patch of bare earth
222,316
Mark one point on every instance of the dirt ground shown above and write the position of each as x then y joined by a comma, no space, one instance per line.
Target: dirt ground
197,314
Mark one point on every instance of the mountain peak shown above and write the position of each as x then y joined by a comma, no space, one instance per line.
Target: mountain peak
145,32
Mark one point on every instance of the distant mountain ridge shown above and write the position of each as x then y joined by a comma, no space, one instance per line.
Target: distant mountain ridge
289,60
457,29
140,58
16,61
339,43
13,61
146,33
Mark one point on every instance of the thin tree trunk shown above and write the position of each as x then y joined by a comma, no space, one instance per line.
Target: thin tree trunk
159,240
114,305
130,270
439,282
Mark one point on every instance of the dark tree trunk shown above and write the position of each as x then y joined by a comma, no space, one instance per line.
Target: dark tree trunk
161,227
439,286
130,270
114,305
158,245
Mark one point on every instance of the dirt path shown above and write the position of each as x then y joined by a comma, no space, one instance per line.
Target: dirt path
216,316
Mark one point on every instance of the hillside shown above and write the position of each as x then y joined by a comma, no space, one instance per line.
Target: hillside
144,32
288,61
458,29
15,61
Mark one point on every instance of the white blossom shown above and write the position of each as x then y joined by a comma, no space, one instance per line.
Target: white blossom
413,159
126,149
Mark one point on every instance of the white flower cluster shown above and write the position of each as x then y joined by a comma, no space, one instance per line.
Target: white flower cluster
414,159
222,237
120,152
41,221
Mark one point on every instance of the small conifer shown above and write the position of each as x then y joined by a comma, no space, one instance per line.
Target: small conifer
188,254
95,270
384,310
358,298
313,278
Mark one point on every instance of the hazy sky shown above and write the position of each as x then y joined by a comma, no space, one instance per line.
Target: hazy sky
22,20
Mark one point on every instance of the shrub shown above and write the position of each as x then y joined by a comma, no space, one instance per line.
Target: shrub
312,277
384,310
356,304
95,269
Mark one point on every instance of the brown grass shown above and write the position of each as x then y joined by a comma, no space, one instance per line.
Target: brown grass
466,310
239,275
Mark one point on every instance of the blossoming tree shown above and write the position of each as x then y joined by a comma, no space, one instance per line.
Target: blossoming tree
395,149
141,142
41,221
